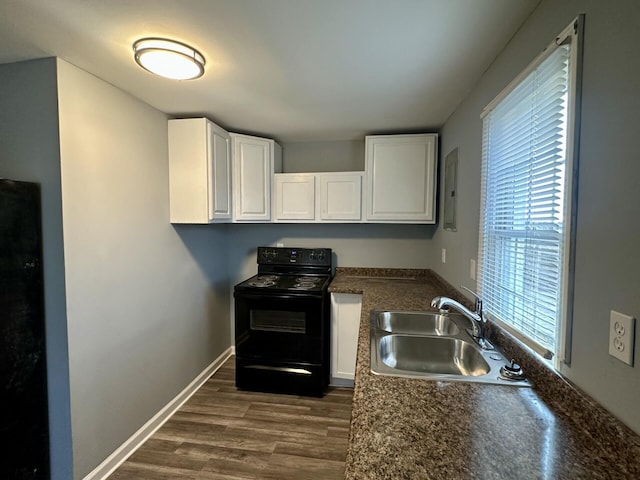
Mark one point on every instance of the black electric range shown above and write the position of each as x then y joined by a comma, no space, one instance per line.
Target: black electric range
282,322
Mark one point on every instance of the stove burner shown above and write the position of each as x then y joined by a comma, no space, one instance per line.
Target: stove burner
304,285
311,280
264,281
306,282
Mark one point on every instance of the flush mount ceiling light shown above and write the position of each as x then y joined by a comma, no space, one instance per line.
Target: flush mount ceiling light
168,58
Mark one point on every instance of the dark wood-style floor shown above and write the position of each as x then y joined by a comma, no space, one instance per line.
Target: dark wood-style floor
224,433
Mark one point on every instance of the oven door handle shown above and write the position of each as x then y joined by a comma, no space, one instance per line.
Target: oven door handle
298,371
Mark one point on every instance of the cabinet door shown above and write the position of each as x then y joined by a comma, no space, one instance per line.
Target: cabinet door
400,171
295,197
345,326
252,172
199,172
340,196
219,164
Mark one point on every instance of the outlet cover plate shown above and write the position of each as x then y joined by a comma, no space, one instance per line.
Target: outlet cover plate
621,336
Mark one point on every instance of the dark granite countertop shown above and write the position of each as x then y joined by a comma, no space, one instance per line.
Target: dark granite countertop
404,428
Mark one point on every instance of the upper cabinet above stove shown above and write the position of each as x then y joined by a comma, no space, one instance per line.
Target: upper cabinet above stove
318,197
199,172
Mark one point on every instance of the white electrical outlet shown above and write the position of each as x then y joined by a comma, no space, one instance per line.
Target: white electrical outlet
472,269
444,255
621,336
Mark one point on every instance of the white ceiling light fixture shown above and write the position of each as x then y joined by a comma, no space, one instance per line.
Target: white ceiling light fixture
168,58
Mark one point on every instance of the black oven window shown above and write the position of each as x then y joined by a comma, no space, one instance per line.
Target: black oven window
278,321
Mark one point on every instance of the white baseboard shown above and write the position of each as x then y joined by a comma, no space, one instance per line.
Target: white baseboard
124,451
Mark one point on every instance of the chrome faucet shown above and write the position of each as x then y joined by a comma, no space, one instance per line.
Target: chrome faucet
476,318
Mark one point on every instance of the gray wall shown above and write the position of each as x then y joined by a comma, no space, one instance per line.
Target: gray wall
147,303
339,156
30,151
608,234
365,245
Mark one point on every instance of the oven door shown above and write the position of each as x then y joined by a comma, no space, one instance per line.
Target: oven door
280,327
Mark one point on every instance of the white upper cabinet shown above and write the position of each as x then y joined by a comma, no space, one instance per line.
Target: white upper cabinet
199,172
255,160
318,197
340,196
211,171
295,196
401,180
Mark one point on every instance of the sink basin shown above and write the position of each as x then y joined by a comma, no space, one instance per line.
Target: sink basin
425,323
432,346
439,355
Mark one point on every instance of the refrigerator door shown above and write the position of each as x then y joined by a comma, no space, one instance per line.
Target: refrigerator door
23,397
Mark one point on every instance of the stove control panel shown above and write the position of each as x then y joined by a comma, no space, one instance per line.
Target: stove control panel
294,256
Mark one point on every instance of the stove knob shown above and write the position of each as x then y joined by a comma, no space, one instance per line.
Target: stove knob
321,255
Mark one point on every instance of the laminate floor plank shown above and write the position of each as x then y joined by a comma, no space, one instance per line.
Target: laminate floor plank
161,459
235,468
157,445
338,432
335,451
272,425
134,471
293,467
262,414
225,433
248,441
333,396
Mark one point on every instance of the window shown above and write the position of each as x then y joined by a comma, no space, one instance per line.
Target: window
527,205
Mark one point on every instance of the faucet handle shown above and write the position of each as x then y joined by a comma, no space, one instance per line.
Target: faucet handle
476,297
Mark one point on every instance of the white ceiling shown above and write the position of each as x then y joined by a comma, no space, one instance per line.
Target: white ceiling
296,70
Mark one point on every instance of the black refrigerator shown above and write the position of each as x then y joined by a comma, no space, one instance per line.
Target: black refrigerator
23,408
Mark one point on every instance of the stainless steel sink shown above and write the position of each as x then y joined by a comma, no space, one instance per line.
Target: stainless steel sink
432,346
422,323
432,355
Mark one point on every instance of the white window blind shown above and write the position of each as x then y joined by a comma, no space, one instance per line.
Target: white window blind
524,224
